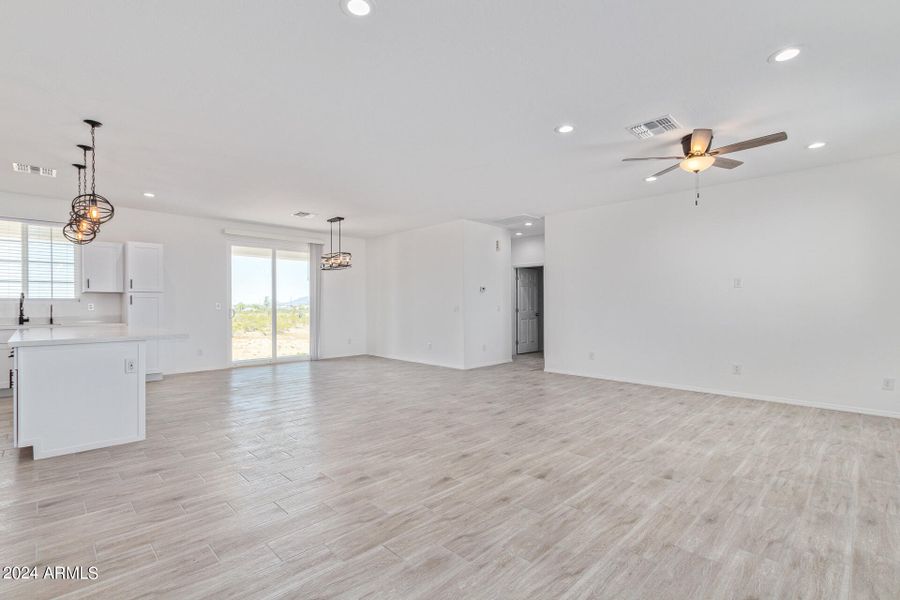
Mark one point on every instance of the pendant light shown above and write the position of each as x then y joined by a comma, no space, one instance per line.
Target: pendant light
89,204
335,261
80,230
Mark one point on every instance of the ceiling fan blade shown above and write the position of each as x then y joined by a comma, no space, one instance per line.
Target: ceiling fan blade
754,143
700,140
727,163
653,158
664,171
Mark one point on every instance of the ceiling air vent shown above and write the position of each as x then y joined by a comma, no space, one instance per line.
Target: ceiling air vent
655,127
304,215
23,168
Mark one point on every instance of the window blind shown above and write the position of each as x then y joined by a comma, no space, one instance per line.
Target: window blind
10,259
36,260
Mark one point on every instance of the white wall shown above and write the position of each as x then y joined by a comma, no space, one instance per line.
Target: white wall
486,313
415,285
528,251
196,278
425,303
648,288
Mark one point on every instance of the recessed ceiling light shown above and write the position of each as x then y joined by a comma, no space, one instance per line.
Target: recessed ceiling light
650,179
565,128
529,224
149,194
357,8
785,54
816,145
518,233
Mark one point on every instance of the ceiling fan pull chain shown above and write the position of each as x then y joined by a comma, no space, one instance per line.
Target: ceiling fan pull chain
697,188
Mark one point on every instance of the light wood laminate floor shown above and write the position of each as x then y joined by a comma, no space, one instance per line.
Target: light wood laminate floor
372,478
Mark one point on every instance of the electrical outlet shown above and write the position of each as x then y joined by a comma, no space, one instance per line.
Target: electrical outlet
349,341
130,365
428,345
737,369
90,306
218,306
738,283
590,356
888,384
199,351
484,347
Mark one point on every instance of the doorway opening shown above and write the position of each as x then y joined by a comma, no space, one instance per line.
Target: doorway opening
529,328
270,305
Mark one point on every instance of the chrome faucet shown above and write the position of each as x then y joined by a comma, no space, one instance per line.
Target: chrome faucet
22,318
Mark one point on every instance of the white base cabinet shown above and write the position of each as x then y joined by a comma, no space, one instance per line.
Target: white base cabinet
144,312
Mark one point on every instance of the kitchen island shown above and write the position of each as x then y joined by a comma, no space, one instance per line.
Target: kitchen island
79,388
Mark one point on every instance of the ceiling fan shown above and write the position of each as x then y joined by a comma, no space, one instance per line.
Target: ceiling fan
698,157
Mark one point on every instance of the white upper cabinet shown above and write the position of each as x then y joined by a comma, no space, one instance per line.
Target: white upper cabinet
102,267
143,267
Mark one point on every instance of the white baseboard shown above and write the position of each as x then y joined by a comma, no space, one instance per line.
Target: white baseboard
419,361
735,394
491,364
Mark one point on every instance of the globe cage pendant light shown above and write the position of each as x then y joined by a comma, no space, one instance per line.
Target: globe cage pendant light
80,230
91,205
335,261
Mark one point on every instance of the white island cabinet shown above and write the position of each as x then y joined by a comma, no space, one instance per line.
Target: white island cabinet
78,388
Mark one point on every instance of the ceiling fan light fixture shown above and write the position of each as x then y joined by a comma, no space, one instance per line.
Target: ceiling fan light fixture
785,54
697,164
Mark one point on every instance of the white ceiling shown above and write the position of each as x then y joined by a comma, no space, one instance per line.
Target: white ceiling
428,111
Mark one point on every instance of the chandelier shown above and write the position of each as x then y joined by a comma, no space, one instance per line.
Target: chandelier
89,209
335,261
79,230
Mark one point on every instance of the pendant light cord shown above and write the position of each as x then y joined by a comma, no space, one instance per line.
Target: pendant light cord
83,170
93,165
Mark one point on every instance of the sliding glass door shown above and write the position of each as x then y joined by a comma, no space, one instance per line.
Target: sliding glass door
292,315
270,304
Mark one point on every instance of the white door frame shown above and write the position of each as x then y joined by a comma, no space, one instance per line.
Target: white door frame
515,306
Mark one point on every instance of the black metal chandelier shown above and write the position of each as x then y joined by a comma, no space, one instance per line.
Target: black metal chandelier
335,261
79,230
89,209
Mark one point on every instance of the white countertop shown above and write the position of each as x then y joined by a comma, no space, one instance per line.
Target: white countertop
60,335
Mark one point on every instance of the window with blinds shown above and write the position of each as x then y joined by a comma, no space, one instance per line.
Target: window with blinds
36,260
